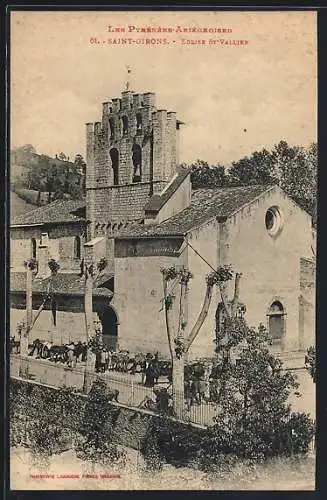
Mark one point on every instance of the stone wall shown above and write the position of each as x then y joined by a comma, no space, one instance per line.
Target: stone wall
60,245
139,302
118,204
294,362
70,318
70,326
307,302
130,425
20,250
129,122
270,265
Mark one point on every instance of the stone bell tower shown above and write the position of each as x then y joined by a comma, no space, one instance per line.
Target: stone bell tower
131,154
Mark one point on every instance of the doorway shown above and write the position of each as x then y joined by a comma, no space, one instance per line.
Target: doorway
109,322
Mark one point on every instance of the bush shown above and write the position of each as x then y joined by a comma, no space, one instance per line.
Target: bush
152,453
253,418
310,362
295,436
42,418
171,442
96,427
50,421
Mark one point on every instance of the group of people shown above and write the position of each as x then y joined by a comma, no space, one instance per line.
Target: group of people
202,383
162,402
106,359
150,370
149,367
68,353
201,379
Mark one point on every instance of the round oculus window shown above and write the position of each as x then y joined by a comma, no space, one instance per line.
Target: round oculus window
274,221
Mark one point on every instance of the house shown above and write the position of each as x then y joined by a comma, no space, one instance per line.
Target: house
56,231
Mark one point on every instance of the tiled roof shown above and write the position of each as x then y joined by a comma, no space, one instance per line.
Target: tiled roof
157,201
55,212
63,283
205,204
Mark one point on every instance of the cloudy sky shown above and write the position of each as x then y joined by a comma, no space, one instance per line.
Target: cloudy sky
234,99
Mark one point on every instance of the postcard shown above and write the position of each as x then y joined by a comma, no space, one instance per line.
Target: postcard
163,185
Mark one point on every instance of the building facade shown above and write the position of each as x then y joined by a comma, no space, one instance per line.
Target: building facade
256,230
140,214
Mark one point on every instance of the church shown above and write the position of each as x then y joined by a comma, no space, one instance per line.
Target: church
140,214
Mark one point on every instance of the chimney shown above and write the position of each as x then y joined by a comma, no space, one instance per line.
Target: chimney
43,268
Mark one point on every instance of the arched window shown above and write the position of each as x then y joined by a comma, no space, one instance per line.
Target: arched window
137,163
112,128
33,248
138,122
114,156
125,124
276,321
77,247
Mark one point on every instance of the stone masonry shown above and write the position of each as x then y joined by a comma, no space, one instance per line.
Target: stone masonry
131,155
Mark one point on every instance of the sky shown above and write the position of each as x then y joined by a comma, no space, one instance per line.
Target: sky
234,99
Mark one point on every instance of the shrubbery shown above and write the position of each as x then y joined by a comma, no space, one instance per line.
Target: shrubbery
95,428
310,362
50,421
253,419
168,441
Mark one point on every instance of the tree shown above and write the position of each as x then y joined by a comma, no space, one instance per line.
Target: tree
259,168
179,346
49,295
297,167
253,415
91,274
205,175
310,362
79,161
31,269
40,177
293,168
81,169
253,419
27,148
59,179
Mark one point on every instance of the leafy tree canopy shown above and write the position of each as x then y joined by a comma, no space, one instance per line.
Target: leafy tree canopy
293,168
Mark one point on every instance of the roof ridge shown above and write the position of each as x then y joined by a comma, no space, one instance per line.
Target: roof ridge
205,206
50,212
225,188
